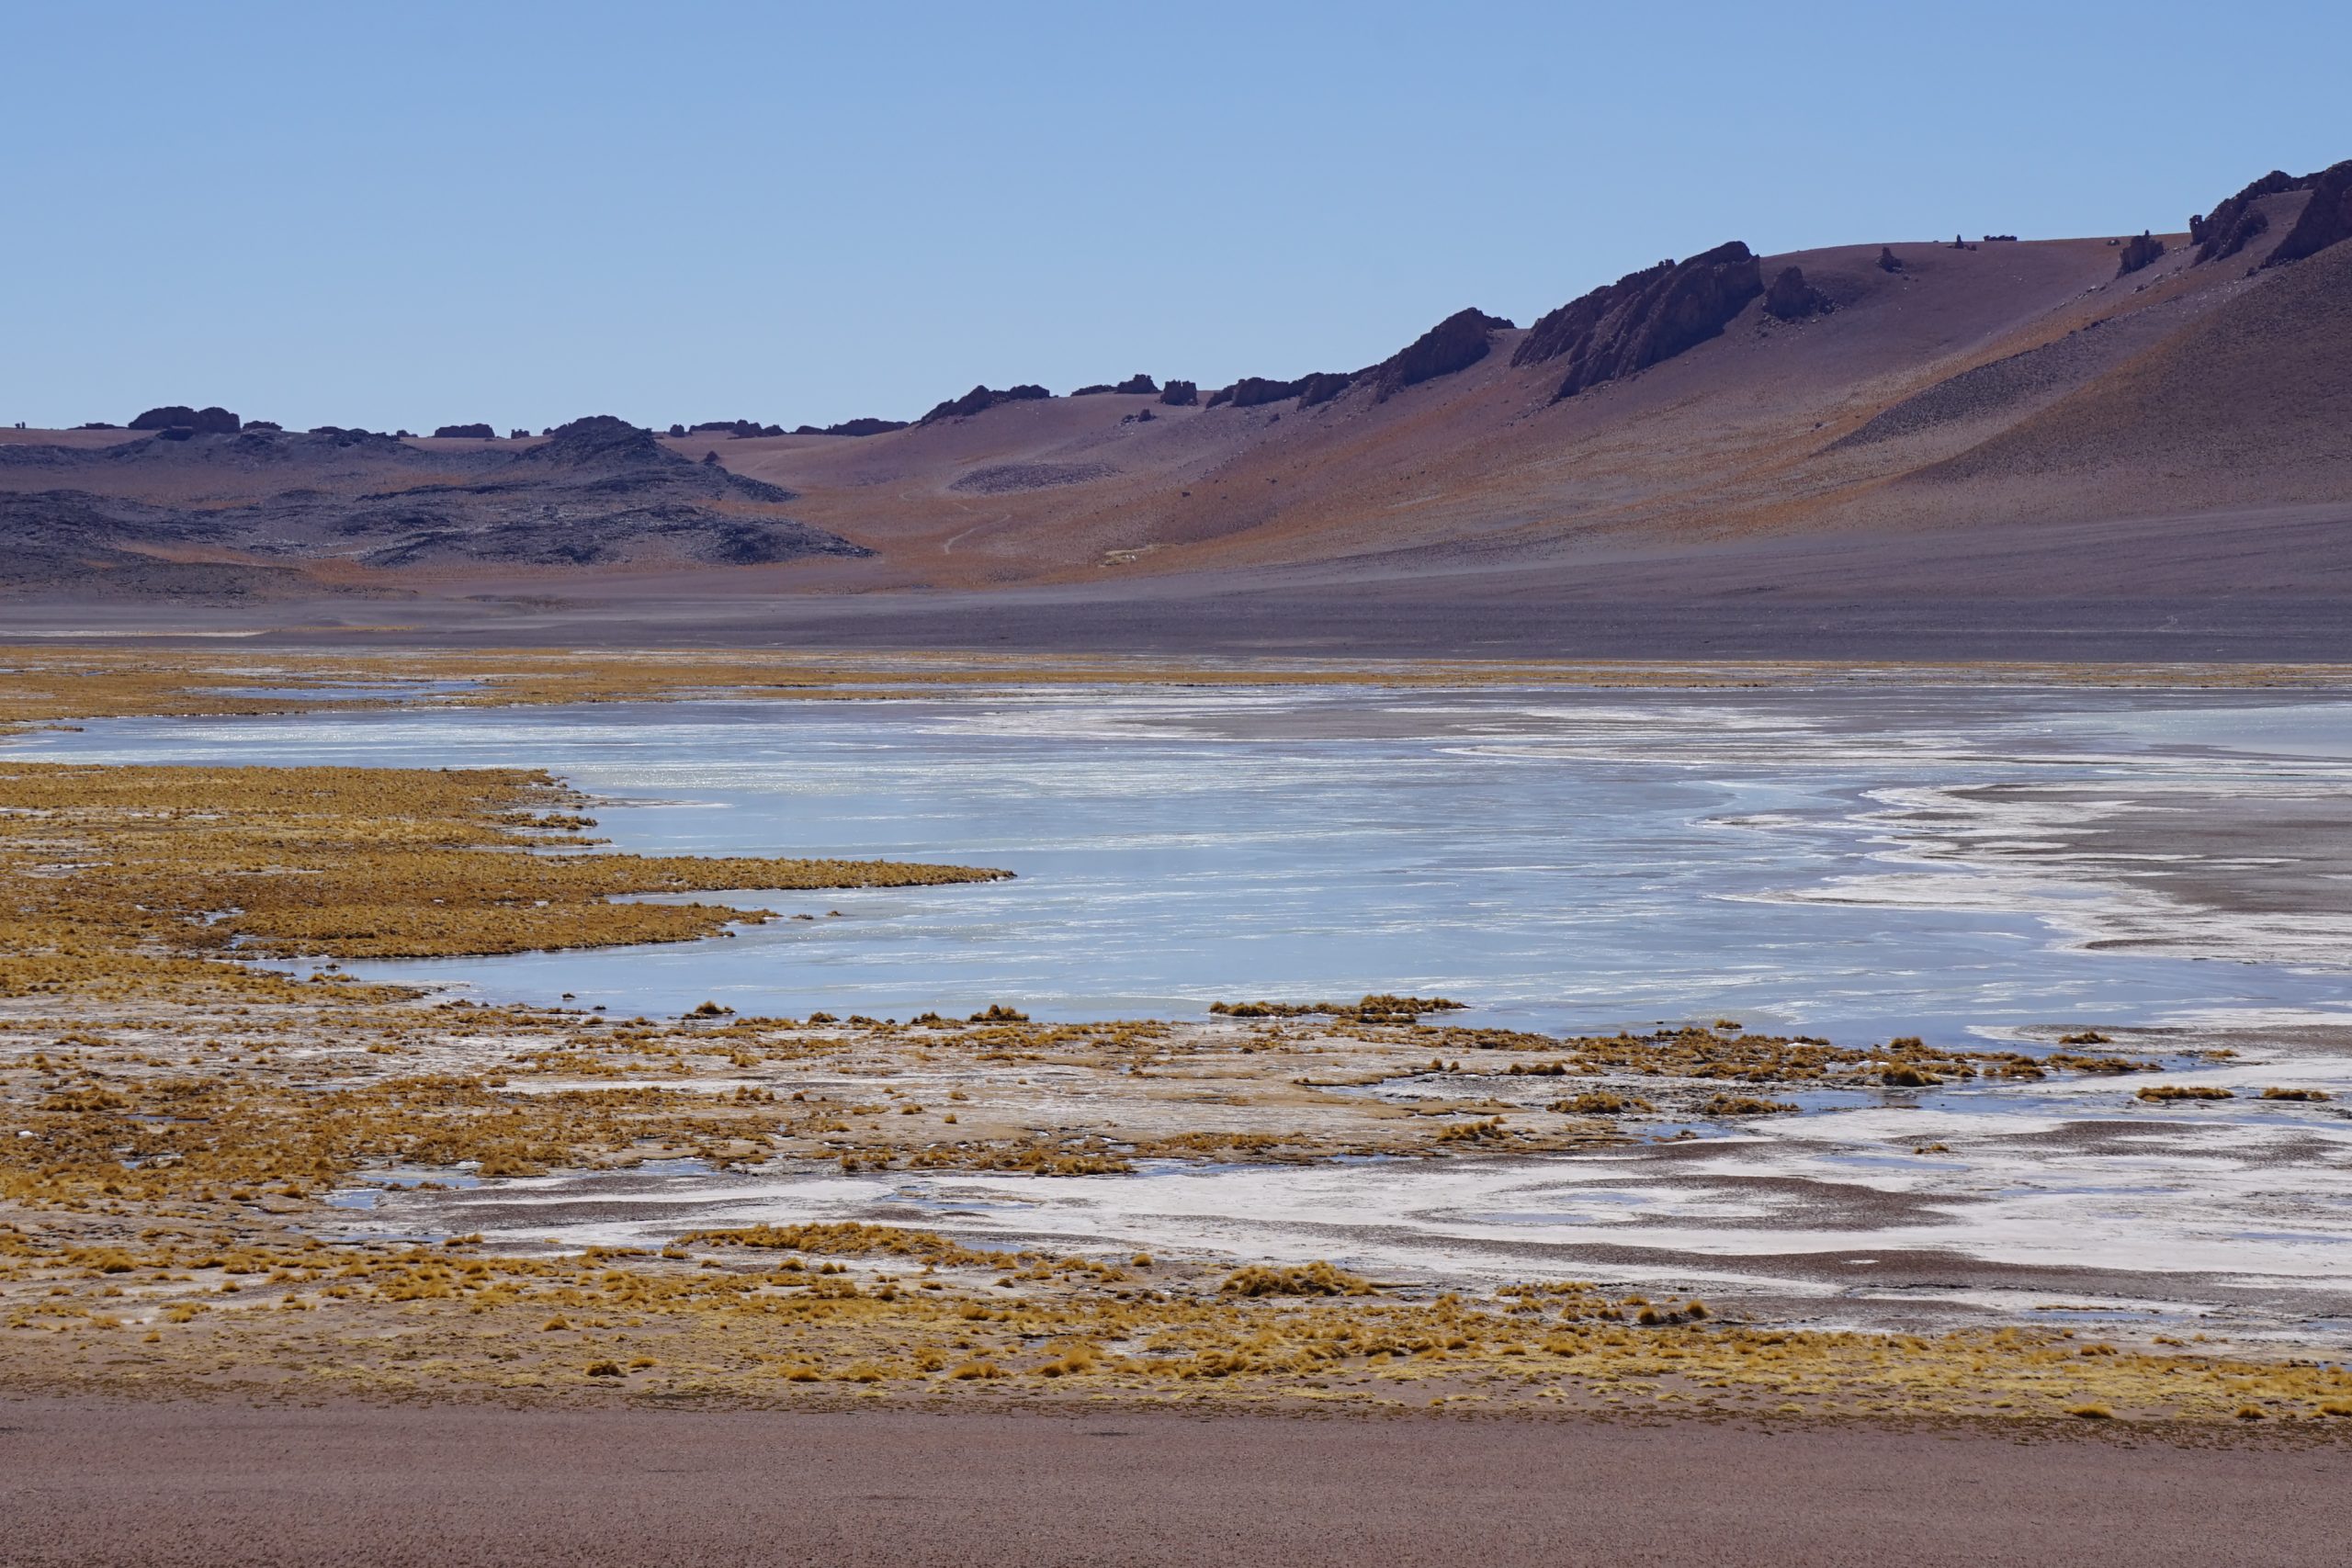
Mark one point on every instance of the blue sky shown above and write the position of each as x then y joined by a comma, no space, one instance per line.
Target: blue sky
417,214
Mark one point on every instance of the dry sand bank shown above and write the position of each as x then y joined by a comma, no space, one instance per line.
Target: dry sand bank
125,1484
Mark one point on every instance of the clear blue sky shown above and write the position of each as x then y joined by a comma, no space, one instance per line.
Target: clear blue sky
421,213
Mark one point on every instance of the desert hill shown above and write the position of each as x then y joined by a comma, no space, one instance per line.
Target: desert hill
1824,424
255,509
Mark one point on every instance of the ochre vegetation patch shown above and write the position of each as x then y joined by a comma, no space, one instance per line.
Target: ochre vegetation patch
110,869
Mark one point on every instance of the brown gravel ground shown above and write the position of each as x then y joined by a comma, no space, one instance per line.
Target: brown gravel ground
132,1484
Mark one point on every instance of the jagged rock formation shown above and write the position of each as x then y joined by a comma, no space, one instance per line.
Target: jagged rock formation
854,427
1251,391
470,432
1139,384
1643,317
980,399
215,420
1791,299
1092,388
1322,386
737,427
600,439
1455,343
1180,395
2229,227
2141,250
1888,260
2326,218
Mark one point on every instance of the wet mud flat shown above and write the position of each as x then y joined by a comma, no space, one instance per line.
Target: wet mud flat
2171,1205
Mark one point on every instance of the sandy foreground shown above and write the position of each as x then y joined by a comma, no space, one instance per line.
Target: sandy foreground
87,1482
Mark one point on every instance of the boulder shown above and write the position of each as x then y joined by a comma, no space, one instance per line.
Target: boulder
2141,250
1138,385
1791,299
1644,318
1455,343
465,432
1180,394
1888,260
179,416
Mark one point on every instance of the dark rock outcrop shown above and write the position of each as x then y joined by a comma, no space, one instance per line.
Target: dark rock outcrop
1455,343
467,431
1888,260
1644,318
1180,394
1003,479
1093,390
2229,227
867,427
2141,250
1252,391
179,416
1791,299
262,424
356,436
1138,385
2326,219
599,440
736,427
1322,386
980,399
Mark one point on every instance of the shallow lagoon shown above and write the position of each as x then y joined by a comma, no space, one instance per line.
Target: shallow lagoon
1561,858
1796,858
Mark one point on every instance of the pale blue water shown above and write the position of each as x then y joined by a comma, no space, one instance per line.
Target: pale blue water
1560,859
